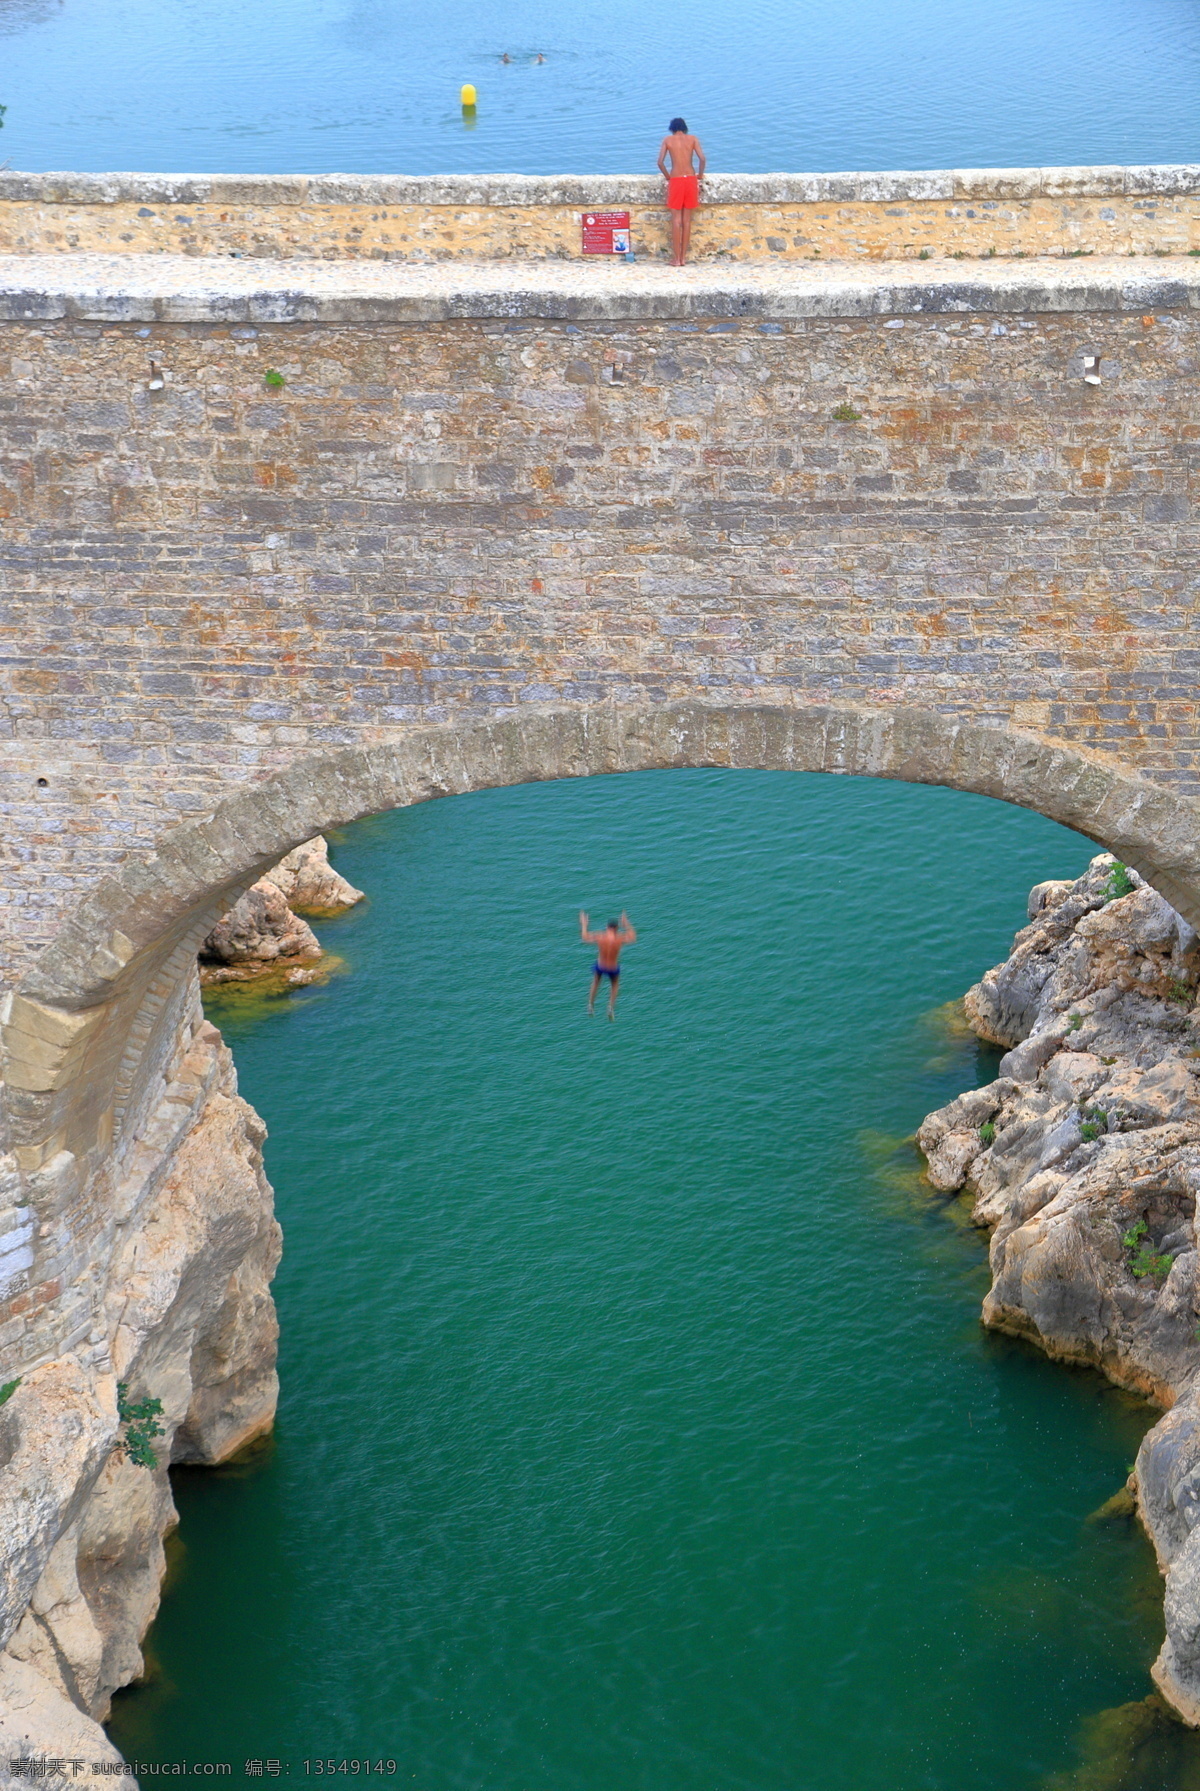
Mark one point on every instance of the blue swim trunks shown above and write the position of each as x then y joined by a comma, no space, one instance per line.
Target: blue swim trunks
599,970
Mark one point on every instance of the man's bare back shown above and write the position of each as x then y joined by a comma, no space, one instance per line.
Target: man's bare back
608,950
683,152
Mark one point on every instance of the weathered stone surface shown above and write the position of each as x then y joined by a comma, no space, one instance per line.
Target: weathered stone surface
1048,895
186,1317
56,1431
1075,946
437,190
263,931
1089,1181
308,882
38,1723
259,930
745,217
180,289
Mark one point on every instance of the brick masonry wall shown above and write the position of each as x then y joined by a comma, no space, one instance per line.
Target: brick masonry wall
434,520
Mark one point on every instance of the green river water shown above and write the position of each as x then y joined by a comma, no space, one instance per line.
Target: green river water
637,1431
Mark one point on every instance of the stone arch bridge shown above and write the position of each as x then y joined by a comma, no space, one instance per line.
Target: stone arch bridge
288,544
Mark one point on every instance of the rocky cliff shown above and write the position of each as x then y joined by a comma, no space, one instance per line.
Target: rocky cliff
188,1321
264,932
1083,1161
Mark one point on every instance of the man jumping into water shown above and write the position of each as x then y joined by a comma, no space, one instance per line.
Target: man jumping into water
683,183
608,949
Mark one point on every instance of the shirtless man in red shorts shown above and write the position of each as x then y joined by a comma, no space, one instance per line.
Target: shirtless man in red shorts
608,949
675,162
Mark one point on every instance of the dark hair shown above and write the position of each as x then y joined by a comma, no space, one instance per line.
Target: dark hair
614,926
678,124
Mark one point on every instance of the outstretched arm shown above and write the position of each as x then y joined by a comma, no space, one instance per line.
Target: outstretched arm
588,938
628,930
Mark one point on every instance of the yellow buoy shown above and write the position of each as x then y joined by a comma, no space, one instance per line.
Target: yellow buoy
467,95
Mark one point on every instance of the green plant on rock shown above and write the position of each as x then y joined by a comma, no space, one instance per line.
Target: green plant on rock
1074,1022
1119,884
139,1426
987,1132
274,378
9,1387
1146,1263
1177,991
923,255
846,413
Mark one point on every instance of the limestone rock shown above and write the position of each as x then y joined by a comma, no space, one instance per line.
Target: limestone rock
263,931
950,1137
1047,895
38,1722
259,929
56,1432
308,882
188,1319
951,1158
1089,1186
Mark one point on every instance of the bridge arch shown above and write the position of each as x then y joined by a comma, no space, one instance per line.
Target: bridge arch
102,1021
93,1028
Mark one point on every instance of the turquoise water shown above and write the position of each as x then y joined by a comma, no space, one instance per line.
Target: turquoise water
372,85
637,1430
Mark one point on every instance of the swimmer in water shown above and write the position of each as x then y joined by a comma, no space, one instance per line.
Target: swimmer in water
683,177
539,57
506,57
608,950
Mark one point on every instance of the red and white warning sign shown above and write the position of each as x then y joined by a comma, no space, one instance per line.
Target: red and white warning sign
606,232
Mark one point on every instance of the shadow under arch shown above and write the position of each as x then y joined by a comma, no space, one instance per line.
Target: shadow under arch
92,1024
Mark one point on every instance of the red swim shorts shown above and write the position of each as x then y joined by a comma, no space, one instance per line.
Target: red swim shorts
683,192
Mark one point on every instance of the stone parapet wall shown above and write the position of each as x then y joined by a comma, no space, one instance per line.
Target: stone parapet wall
746,217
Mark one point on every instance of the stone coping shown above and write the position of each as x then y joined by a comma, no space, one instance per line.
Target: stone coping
586,190
190,289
